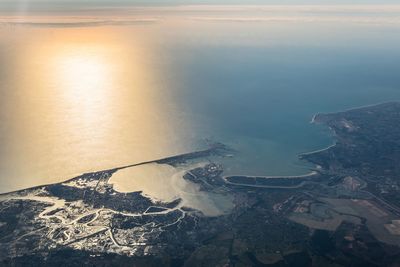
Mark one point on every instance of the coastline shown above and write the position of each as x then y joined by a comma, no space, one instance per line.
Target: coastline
212,149
307,175
317,151
167,160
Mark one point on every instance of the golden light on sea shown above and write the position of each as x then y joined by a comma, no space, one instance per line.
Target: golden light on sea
84,99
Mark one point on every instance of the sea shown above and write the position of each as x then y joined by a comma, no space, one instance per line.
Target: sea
78,97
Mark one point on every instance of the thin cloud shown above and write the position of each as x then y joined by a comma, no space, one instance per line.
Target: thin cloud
79,24
338,19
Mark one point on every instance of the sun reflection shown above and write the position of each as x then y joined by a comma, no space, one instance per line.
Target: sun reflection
85,74
91,101
85,78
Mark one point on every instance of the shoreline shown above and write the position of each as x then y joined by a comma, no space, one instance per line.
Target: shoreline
314,120
310,174
167,160
213,148
354,108
317,151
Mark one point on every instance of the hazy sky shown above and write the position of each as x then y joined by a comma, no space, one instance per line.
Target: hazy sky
77,3
32,6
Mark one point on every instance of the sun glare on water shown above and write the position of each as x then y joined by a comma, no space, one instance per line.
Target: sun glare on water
85,74
92,101
85,78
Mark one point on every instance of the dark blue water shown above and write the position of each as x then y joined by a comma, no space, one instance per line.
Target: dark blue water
260,98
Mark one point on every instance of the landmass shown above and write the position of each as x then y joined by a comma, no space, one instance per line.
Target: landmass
345,212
